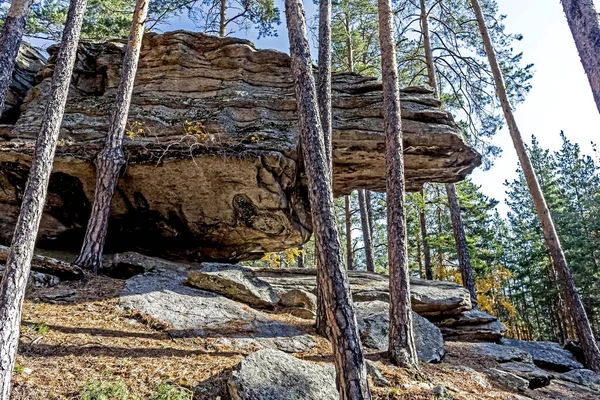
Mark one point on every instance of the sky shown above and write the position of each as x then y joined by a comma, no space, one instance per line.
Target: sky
560,98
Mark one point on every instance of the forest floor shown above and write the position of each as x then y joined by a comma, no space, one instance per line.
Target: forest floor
71,346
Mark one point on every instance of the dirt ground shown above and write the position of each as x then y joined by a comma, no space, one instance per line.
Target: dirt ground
68,343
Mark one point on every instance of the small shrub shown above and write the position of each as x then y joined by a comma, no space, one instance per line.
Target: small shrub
18,369
97,390
167,391
40,328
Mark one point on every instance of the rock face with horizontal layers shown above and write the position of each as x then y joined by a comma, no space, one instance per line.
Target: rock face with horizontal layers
213,171
29,63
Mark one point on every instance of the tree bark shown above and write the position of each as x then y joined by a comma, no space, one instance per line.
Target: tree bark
111,159
366,230
582,324
223,19
585,28
426,249
16,274
349,249
369,202
432,80
10,41
300,261
347,351
324,103
464,259
401,339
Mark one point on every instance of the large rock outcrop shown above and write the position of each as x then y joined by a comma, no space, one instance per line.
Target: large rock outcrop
213,171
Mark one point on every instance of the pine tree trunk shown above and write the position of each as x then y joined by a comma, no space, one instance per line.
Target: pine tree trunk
464,259
582,324
111,159
324,102
366,230
585,28
462,249
16,273
347,351
349,47
223,19
369,203
10,41
426,249
300,262
349,249
428,52
401,338
419,256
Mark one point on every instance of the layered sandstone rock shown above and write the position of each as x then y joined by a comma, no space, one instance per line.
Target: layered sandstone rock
213,171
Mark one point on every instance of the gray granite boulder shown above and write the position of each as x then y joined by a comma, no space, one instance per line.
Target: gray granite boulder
189,311
273,375
548,355
373,324
235,282
583,377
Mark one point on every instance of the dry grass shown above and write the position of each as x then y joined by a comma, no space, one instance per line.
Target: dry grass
91,339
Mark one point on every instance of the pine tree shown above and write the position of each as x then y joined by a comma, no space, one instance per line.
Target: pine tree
111,159
401,340
584,331
347,351
18,264
324,101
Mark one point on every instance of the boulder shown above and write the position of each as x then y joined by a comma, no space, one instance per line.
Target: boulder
235,282
490,332
128,264
536,377
547,355
189,311
273,375
497,352
431,299
373,324
583,377
299,298
473,325
213,171
507,380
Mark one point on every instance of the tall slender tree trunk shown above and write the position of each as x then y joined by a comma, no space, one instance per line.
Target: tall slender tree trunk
401,338
419,256
223,19
582,324
347,351
324,102
349,47
10,41
462,249
464,259
111,159
585,28
426,249
300,261
18,264
369,203
366,230
349,248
